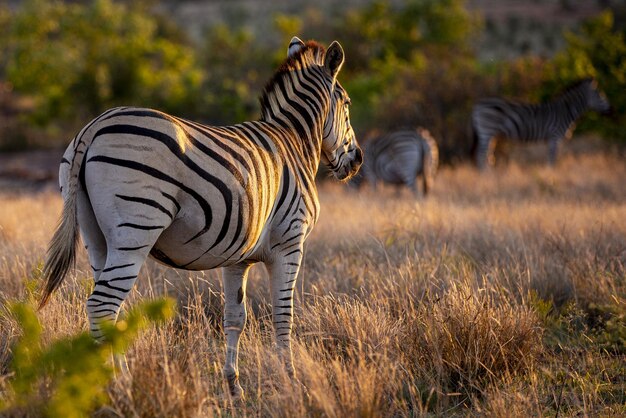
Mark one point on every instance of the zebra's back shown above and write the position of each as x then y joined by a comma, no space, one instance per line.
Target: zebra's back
512,120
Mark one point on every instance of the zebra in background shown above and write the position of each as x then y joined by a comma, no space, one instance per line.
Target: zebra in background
140,182
399,158
497,118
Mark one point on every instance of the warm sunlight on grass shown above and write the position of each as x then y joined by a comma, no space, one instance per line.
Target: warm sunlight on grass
502,294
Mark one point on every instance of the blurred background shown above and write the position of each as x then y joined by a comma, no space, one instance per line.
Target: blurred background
409,63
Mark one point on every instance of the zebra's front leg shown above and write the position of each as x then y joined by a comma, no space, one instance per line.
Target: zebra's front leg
283,274
412,185
234,281
485,152
553,150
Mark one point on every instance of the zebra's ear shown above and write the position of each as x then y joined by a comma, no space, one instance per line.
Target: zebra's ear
334,59
295,45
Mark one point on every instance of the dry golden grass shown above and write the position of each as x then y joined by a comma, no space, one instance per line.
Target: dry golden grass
500,295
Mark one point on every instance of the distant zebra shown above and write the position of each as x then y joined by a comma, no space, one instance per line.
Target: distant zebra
399,158
140,182
497,118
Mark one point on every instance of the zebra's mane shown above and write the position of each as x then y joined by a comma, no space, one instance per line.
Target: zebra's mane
311,54
574,87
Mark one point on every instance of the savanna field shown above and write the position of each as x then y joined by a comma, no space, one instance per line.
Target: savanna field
502,294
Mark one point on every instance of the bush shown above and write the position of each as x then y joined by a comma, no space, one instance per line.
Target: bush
78,60
598,50
76,367
233,79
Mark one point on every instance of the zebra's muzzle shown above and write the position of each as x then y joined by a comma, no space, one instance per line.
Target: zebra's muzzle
358,159
349,170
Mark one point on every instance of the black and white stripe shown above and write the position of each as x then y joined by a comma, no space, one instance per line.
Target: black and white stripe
400,158
140,182
497,118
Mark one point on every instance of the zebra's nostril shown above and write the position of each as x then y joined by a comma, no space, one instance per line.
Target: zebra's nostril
358,158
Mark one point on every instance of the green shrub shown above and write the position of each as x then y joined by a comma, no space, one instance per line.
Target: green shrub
75,367
234,79
78,60
597,49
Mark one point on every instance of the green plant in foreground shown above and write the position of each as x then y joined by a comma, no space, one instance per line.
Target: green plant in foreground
75,367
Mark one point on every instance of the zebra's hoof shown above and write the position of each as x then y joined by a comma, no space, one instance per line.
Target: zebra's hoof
236,392
235,389
303,388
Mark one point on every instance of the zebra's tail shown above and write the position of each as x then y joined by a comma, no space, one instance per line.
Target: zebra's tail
430,159
61,253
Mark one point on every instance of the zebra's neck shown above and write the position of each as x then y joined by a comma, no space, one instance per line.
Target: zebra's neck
300,115
571,105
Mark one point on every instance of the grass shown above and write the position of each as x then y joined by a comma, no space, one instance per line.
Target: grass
502,294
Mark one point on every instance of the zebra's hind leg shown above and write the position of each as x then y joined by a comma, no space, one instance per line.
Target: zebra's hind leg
234,280
412,183
111,289
491,152
95,244
427,181
92,235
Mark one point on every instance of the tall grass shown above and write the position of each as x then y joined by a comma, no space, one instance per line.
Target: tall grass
503,294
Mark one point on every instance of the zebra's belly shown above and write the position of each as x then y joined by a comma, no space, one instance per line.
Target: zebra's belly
399,174
175,258
204,252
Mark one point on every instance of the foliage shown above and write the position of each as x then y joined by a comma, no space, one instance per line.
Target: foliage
75,366
233,78
382,31
80,59
408,64
598,50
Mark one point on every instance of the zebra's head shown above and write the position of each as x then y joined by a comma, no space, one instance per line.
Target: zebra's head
340,150
596,99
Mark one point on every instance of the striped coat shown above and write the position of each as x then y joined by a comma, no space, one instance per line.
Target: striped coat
400,158
550,122
140,182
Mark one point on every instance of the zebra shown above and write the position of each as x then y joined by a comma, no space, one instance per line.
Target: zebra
140,182
399,158
497,118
